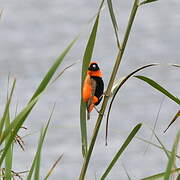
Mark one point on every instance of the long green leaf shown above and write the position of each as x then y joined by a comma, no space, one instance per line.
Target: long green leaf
9,155
39,90
159,176
7,108
121,150
52,70
35,167
159,88
113,19
13,128
38,157
172,158
86,60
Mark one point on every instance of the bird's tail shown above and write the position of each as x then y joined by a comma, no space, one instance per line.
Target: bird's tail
89,109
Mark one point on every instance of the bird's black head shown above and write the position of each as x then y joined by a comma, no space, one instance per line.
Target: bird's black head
93,67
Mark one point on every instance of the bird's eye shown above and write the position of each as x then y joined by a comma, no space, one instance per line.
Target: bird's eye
94,66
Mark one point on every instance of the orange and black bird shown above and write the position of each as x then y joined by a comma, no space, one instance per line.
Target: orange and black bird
93,87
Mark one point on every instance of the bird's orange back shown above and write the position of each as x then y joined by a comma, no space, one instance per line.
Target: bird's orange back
87,89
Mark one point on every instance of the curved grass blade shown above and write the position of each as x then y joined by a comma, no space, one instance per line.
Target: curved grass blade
86,60
115,90
173,120
114,22
172,158
52,168
159,88
160,175
52,70
147,1
35,167
116,85
13,128
121,150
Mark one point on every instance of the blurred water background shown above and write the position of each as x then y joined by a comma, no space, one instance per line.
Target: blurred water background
33,34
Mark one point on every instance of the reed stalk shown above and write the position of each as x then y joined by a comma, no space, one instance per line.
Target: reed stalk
108,91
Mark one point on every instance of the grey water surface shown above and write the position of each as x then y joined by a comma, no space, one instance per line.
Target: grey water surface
33,34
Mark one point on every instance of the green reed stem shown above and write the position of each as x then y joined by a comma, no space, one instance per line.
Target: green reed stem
108,91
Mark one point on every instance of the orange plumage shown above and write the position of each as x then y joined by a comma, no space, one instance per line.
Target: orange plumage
93,87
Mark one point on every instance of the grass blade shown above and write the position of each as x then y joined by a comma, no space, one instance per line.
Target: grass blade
35,167
36,162
6,111
116,87
86,60
38,157
9,155
155,145
172,158
62,72
173,120
147,1
19,120
121,150
13,128
52,168
162,145
159,176
52,70
168,172
155,123
159,88
175,65
114,22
